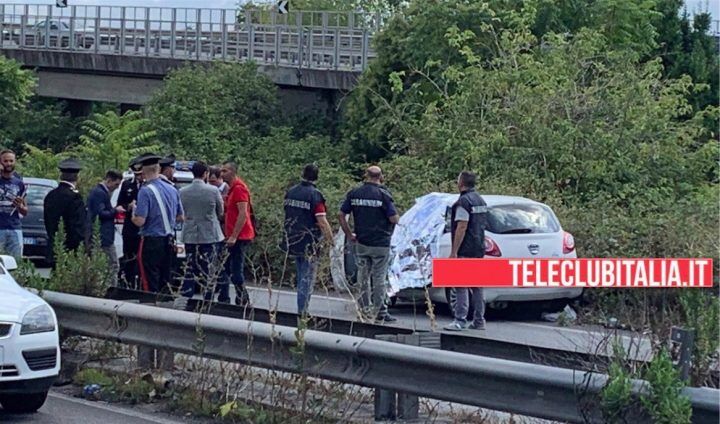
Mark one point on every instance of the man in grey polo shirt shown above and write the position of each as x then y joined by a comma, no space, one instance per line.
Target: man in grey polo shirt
202,233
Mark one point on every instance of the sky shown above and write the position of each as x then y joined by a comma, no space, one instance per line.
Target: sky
693,5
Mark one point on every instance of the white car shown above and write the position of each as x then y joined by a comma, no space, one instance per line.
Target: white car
29,345
517,228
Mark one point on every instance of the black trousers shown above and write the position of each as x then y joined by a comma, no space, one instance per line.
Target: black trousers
129,268
155,257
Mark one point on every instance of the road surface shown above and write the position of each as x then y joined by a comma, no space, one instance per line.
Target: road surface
63,409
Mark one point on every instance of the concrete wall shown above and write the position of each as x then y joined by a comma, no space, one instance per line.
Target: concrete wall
132,80
158,67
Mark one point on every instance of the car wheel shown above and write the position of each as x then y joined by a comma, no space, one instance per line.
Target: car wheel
23,403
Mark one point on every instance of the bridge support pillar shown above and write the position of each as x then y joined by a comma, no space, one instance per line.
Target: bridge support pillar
125,107
79,108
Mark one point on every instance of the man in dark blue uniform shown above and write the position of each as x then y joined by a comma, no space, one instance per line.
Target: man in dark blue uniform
468,222
375,216
127,198
65,204
305,226
167,169
158,209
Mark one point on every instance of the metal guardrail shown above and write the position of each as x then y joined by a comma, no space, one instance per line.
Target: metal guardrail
579,359
527,389
303,39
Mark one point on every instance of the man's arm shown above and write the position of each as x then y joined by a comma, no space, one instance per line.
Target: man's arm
141,209
103,207
459,237
239,224
390,211
346,209
19,201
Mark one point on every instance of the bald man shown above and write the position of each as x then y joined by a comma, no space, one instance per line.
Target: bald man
374,216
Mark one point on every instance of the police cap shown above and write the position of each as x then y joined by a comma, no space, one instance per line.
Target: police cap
135,165
148,159
70,165
169,160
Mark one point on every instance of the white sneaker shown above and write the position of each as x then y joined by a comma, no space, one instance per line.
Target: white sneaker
455,326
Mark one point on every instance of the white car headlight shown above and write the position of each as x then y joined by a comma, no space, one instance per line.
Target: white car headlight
38,320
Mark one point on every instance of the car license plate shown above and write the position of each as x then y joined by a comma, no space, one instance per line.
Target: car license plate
29,240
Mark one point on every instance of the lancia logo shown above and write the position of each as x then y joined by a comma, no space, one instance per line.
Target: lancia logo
534,249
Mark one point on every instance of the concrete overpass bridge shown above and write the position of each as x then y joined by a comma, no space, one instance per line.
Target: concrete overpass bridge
121,54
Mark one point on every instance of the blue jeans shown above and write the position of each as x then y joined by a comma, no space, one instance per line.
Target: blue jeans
235,267
201,262
306,269
11,243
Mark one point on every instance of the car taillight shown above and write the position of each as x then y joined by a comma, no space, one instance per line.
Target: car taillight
491,248
568,243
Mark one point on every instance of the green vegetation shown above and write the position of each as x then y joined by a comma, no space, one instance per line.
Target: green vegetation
606,110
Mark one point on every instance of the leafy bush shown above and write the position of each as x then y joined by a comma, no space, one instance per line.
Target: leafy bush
211,111
665,403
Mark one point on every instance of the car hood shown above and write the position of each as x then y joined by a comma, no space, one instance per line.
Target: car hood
15,301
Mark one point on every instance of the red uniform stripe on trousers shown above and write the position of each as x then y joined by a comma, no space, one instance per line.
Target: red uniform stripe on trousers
141,268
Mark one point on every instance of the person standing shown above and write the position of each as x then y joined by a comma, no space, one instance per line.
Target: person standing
65,204
216,180
12,206
305,226
158,209
239,229
375,216
167,169
100,209
127,199
468,222
202,233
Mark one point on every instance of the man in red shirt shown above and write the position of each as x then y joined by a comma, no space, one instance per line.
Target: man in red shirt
239,229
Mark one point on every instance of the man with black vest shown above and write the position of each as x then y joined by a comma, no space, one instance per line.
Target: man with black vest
305,226
127,198
374,216
468,222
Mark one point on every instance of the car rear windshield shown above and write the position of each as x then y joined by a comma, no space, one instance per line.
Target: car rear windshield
521,219
36,194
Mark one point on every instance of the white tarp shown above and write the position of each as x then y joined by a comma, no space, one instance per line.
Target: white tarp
415,241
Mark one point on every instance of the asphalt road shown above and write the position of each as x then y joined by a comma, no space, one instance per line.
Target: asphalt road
63,409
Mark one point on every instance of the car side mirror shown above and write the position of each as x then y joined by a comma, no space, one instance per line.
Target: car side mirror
8,262
448,220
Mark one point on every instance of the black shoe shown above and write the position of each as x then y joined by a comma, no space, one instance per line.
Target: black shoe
386,318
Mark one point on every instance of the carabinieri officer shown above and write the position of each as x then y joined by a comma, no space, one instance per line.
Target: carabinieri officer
158,209
469,219
65,203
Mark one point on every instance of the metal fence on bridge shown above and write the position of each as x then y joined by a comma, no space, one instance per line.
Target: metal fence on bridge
301,39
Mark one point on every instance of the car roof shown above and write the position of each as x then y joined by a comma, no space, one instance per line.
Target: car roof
40,181
490,199
498,199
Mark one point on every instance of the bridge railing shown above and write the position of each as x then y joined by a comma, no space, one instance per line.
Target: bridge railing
341,41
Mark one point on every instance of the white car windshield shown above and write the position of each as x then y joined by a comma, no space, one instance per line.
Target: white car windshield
521,219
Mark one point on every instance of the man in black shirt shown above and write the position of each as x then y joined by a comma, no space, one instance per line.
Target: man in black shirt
375,216
127,198
305,227
469,219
